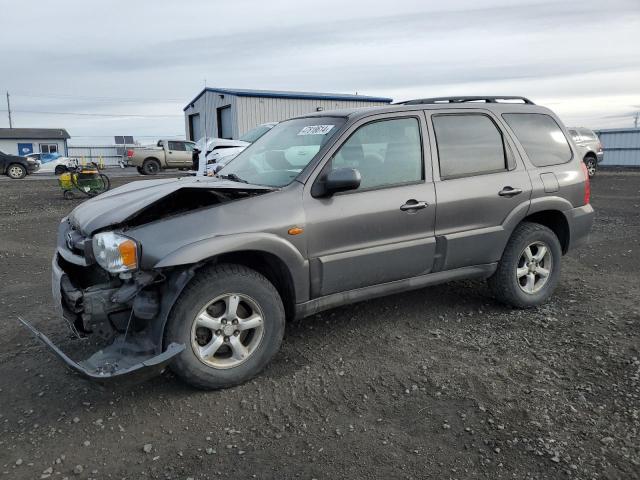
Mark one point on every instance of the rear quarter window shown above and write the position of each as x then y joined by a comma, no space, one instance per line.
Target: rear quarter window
541,137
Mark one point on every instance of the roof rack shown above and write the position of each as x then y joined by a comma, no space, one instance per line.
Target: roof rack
484,99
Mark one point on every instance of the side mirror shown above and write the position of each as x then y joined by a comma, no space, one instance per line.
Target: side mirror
338,180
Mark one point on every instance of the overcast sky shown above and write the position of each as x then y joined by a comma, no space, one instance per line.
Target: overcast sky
126,58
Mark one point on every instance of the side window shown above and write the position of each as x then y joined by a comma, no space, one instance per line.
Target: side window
468,144
386,152
541,138
178,146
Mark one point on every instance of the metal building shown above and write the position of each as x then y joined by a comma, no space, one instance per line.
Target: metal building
23,141
230,112
621,146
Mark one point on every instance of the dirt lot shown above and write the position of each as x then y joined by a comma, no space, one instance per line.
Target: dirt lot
437,383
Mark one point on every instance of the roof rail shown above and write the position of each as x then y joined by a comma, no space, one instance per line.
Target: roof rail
484,99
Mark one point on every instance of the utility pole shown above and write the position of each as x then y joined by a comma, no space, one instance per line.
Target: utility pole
635,120
9,110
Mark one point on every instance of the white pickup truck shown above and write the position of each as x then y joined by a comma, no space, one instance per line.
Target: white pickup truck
165,154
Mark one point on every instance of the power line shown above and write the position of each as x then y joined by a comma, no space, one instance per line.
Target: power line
87,114
104,99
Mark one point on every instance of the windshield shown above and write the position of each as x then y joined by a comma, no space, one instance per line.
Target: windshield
281,154
255,133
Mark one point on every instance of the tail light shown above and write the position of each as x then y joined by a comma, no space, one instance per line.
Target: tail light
129,153
587,184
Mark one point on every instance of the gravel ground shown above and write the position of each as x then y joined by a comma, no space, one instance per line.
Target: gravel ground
438,383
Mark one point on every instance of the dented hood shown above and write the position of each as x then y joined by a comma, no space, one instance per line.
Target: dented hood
116,206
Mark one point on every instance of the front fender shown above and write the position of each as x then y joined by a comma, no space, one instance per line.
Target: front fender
257,242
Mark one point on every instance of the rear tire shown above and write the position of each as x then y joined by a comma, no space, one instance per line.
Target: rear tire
16,171
140,170
592,166
529,269
151,166
231,320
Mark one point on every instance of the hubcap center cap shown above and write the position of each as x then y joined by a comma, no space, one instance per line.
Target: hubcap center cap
228,329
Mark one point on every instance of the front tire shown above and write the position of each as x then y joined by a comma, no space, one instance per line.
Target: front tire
231,320
529,269
16,171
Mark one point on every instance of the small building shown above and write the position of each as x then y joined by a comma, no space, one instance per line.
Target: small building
23,141
230,112
621,146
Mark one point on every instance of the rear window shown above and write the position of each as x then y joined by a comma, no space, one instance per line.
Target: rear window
541,138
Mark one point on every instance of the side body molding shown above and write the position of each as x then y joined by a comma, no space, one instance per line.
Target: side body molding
268,243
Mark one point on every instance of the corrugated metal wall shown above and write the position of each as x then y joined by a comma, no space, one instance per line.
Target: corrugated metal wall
253,111
621,146
248,112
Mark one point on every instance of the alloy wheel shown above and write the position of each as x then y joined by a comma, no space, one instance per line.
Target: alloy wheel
227,331
534,267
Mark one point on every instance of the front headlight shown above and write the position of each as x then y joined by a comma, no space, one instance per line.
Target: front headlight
115,253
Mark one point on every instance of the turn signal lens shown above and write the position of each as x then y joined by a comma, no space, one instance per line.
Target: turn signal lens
295,231
129,254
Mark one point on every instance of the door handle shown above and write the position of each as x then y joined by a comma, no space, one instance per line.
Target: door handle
509,192
413,205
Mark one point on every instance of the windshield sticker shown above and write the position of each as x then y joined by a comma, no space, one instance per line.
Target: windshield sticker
316,130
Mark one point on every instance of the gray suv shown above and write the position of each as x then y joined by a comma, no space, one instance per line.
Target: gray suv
201,274
589,147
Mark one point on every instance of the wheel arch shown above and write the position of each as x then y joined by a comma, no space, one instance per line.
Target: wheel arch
270,255
556,221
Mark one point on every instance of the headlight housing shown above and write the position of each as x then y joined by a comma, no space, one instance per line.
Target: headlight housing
115,253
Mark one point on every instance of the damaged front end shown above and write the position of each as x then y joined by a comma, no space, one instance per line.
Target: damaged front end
104,281
125,312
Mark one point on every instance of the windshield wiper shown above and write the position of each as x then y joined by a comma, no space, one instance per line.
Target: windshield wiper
233,177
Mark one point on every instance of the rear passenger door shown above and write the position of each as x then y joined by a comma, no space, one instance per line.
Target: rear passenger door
479,183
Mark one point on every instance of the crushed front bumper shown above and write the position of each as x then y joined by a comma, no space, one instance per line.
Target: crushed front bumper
120,360
134,357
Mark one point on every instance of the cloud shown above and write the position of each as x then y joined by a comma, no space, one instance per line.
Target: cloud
572,53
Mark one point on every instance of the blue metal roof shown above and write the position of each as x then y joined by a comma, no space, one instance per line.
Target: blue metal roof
241,92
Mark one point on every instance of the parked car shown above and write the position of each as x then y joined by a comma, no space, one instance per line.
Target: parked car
165,155
217,147
589,147
325,209
17,167
53,163
218,158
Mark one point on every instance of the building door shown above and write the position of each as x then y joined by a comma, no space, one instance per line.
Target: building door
194,127
225,128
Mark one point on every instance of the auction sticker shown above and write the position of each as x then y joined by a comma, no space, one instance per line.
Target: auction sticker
316,130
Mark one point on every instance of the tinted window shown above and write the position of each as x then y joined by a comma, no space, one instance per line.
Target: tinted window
385,153
468,144
541,138
179,146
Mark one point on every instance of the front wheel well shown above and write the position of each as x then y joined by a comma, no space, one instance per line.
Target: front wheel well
590,155
270,266
557,222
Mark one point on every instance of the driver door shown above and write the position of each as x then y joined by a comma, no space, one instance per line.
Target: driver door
384,230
